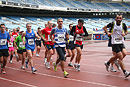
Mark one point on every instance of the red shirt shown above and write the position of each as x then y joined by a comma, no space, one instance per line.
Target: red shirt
47,32
78,32
14,34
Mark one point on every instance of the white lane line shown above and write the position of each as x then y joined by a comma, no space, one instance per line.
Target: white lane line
94,83
17,82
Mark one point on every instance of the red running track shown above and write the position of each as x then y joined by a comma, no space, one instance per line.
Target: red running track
92,74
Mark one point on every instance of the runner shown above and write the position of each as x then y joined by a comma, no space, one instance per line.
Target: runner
20,48
50,46
60,34
15,34
11,48
70,47
30,45
4,36
38,43
78,31
118,30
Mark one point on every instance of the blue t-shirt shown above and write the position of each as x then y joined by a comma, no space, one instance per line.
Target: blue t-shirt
3,40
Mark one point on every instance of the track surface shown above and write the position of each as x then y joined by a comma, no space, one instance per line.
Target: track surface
92,74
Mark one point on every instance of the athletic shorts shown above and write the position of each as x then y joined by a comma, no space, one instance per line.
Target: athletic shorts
70,46
38,43
77,45
21,51
50,46
118,47
27,48
61,53
4,52
11,49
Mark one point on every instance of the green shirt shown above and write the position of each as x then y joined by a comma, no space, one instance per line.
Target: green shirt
19,42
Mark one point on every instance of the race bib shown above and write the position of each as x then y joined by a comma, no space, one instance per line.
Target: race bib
10,45
3,41
49,39
31,41
118,39
71,38
14,36
61,37
21,44
79,38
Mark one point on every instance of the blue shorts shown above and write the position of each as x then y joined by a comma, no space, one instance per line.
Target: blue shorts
27,48
50,46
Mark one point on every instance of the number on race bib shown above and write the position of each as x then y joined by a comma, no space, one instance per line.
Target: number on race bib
31,41
118,39
71,38
3,41
14,36
79,38
61,37
10,45
21,44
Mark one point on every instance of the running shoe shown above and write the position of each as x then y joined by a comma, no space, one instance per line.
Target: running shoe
55,66
47,65
2,71
112,69
51,59
78,67
22,67
17,58
127,74
26,63
107,66
70,64
45,60
33,70
75,66
65,74
117,65
10,61
37,55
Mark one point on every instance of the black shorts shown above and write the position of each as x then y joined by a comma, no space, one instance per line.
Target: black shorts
61,53
21,51
4,52
118,47
38,43
70,46
77,45
50,46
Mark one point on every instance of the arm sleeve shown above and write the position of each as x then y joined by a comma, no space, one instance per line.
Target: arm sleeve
72,31
53,31
124,26
86,33
109,25
8,37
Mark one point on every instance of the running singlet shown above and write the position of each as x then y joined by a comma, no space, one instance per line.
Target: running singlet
59,36
117,38
47,32
79,37
30,40
3,40
14,35
19,42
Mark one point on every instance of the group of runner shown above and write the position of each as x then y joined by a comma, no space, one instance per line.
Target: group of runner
58,39
53,37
